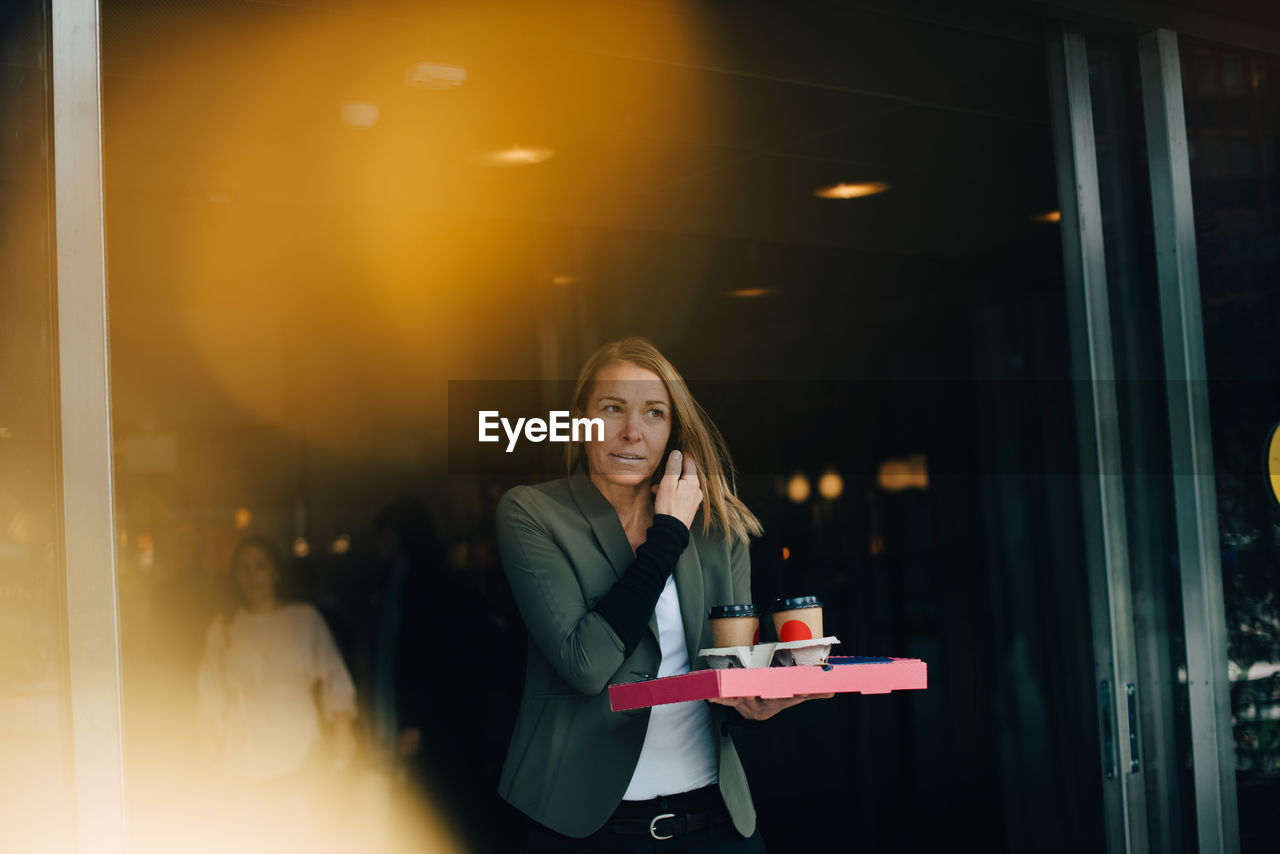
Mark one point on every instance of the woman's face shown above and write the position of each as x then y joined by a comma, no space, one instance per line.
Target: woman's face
256,576
636,410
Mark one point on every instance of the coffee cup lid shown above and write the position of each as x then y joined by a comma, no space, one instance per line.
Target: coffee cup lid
745,610
796,602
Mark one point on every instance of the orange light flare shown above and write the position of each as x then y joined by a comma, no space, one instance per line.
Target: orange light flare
338,254
512,155
191,811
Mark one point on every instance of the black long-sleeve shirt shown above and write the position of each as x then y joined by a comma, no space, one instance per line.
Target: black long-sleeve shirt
629,604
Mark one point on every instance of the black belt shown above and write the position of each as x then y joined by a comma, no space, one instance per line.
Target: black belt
674,815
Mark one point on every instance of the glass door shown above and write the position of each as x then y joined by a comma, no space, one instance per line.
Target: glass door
837,222
1232,103
1181,132
1096,397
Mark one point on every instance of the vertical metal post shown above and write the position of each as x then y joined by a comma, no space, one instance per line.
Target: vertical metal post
1150,531
1102,486
1195,502
84,393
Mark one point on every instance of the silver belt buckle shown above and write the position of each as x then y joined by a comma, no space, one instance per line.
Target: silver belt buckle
653,825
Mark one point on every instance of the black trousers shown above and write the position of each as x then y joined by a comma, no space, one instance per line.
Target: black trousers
717,838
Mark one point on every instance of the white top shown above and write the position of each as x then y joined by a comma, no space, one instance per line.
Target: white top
679,753
255,683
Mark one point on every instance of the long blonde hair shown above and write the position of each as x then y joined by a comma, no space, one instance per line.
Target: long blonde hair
692,431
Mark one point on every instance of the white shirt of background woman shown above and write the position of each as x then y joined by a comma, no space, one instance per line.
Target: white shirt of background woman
255,686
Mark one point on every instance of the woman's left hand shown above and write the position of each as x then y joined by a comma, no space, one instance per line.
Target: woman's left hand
762,708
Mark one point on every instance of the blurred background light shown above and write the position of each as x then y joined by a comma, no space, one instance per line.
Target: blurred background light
1048,217
901,475
512,155
435,75
851,191
22,528
830,485
146,545
798,488
359,114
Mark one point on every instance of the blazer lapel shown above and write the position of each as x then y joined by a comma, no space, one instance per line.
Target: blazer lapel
607,527
604,522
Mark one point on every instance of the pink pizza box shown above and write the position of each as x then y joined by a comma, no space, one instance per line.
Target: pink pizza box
841,675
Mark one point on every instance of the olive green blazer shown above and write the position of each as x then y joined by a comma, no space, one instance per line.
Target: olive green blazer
571,757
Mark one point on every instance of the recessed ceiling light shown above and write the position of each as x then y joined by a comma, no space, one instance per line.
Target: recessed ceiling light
851,191
1048,216
360,114
512,155
435,75
750,293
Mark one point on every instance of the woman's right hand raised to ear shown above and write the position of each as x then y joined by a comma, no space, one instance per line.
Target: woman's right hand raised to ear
679,493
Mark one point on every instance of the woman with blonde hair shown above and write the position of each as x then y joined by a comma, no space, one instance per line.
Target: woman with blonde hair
613,572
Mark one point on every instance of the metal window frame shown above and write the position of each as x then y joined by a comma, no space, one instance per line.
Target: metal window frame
1098,434
1195,498
84,399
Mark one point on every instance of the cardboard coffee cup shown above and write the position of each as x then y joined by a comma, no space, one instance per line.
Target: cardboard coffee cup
799,618
734,625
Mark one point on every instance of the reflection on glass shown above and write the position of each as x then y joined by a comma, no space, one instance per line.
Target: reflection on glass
292,294
1232,104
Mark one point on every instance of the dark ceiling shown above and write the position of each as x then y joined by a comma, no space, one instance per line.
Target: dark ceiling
706,118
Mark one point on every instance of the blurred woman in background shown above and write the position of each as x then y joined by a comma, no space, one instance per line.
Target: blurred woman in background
261,728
